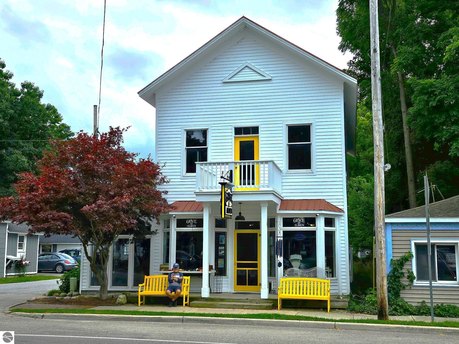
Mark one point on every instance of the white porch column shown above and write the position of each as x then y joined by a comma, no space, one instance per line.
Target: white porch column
320,246
205,290
172,241
264,251
279,250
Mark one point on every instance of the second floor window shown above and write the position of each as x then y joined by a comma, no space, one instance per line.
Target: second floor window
299,147
196,148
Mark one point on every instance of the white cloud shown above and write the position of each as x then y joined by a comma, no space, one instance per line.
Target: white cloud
153,35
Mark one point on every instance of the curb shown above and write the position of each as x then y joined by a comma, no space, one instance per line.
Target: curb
237,321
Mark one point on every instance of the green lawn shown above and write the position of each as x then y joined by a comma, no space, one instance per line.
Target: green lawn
27,278
265,316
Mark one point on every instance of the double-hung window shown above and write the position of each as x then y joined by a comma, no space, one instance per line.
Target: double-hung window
196,148
299,147
443,262
21,243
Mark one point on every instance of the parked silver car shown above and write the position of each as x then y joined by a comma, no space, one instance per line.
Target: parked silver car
56,261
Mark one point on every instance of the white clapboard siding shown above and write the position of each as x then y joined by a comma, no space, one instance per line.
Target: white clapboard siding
298,93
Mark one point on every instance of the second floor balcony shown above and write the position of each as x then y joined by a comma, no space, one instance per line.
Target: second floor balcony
247,175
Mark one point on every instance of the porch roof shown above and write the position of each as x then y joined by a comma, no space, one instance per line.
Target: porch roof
308,204
186,207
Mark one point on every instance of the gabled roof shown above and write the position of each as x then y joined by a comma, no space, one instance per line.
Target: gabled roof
18,228
308,204
147,93
447,208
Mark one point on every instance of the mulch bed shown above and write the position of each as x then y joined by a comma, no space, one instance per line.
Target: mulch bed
80,301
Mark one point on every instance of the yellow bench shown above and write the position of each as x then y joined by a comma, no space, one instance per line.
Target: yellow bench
303,288
156,285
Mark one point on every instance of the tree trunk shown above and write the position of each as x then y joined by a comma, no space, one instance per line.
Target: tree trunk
407,141
98,263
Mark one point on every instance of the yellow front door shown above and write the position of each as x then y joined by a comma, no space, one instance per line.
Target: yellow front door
247,173
247,260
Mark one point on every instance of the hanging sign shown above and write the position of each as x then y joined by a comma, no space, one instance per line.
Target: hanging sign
226,200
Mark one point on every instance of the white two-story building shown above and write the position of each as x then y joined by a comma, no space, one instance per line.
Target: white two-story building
276,122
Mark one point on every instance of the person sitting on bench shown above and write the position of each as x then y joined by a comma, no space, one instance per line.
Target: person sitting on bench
175,285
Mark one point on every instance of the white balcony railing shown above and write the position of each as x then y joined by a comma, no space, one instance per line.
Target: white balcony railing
247,175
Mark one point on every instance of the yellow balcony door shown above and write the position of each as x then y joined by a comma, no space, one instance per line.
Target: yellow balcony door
247,173
247,260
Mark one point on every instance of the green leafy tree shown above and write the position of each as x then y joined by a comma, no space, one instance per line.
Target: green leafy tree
361,184
26,126
419,54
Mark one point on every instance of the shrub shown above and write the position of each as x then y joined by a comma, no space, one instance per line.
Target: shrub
64,283
446,311
364,304
54,292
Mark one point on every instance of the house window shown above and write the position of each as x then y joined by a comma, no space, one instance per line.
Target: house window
299,222
46,248
196,148
443,262
21,243
299,147
241,131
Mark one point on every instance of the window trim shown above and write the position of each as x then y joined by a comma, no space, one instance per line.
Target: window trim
286,161
442,241
184,151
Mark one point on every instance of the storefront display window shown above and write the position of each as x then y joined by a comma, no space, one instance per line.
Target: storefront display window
189,250
330,256
141,260
299,250
120,263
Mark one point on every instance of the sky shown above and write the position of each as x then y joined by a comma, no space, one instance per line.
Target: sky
56,44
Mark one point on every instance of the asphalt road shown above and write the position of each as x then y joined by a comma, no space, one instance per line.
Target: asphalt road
97,330
14,293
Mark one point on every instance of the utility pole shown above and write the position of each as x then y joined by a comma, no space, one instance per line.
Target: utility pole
429,245
95,121
381,274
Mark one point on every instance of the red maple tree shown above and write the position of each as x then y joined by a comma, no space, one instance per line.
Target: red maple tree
92,188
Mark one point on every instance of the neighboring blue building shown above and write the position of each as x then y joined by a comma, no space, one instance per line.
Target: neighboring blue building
406,232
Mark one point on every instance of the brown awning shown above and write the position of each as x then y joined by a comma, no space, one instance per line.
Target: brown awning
309,204
186,207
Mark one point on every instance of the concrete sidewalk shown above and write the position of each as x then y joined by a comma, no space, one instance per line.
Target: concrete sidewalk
333,315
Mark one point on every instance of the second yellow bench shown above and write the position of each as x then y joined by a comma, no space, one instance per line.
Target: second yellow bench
303,288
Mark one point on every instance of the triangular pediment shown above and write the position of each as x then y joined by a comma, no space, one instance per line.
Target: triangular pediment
247,72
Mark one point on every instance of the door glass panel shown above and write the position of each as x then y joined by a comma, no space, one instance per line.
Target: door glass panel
252,277
248,265
241,277
120,262
141,260
247,150
247,247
